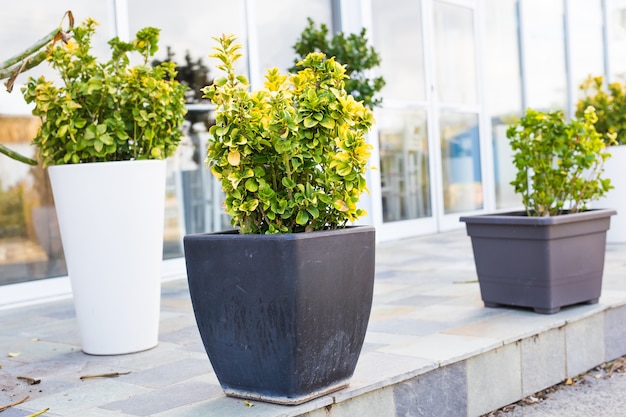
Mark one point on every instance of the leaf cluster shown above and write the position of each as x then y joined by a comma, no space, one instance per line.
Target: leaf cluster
292,156
107,111
353,51
559,164
610,104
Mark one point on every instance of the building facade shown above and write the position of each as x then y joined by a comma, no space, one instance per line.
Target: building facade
457,72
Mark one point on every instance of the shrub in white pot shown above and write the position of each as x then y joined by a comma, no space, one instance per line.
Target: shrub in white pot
609,102
106,130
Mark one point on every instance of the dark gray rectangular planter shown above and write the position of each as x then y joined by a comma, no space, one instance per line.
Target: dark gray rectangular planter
282,317
543,263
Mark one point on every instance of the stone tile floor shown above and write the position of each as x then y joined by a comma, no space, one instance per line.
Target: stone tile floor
427,315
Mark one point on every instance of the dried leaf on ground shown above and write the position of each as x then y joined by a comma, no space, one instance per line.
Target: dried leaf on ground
618,365
31,381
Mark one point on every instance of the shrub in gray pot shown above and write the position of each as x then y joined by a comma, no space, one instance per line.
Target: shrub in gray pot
282,302
552,254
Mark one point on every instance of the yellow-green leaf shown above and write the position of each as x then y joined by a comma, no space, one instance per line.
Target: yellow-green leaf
340,205
234,158
309,122
252,185
302,218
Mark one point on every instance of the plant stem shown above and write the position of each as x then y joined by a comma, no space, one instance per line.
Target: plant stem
14,155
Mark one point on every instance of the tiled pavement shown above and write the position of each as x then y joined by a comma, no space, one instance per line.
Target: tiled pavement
431,349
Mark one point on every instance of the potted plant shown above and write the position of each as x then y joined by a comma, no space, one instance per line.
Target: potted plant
283,301
106,130
552,254
610,104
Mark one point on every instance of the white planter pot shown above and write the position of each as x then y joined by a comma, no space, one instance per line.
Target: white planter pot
111,220
615,169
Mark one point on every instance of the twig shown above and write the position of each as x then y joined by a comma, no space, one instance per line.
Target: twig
109,375
38,413
6,407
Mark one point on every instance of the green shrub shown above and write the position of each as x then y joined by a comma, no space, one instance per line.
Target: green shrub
559,164
292,156
353,51
610,106
107,111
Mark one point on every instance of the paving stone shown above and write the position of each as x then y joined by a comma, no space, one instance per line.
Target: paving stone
615,333
439,393
170,374
16,412
167,398
494,379
584,344
543,361
443,348
87,396
379,403
408,326
429,336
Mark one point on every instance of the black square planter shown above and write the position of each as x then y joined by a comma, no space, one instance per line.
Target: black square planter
282,317
543,263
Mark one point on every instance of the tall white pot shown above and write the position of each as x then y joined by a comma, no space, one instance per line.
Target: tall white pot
111,219
615,169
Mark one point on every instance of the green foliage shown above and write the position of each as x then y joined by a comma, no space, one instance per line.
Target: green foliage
290,157
107,111
12,219
610,105
559,164
352,51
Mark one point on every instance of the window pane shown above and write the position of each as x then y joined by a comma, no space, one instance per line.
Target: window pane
404,171
544,54
280,24
30,243
504,91
460,153
617,22
586,40
455,54
397,36
188,26
193,202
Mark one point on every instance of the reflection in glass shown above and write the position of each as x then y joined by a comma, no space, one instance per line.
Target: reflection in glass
404,165
30,243
193,201
279,25
617,44
504,92
30,240
188,26
460,154
544,54
397,35
455,54
504,170
586,43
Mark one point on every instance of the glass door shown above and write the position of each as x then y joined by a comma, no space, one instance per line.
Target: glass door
403,123
429,127
456,110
